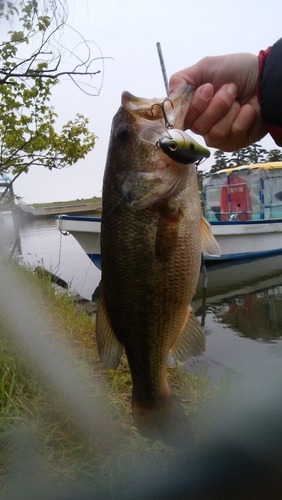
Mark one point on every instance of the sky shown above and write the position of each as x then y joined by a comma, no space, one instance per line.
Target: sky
125,33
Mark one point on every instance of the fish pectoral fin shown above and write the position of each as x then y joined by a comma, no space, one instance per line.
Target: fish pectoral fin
191,341
209,244
109,348
167,233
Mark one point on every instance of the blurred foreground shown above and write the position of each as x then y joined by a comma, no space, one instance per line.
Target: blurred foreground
237,450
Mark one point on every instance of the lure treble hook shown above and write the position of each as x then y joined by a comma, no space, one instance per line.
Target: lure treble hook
161,105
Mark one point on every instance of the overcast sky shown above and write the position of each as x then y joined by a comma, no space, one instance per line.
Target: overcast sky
126,31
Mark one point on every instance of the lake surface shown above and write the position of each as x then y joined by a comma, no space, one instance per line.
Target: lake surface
241,308
41,244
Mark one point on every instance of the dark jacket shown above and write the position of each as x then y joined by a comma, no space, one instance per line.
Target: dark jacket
269,89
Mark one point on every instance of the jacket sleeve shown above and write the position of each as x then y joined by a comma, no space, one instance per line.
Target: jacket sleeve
270,89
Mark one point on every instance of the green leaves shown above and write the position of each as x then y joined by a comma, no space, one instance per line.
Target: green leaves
28,132
7,9
43,23
18,37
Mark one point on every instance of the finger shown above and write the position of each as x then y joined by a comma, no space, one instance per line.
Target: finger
221,131
244,130
195,75
199,103
218,107
248,126
178,81
244,120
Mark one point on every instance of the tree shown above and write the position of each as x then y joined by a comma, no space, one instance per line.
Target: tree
45,24
221,161
246,156
274,155
27,121
237,158
252,154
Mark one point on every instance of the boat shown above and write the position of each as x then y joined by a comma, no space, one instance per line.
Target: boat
242,204
86,230
244,208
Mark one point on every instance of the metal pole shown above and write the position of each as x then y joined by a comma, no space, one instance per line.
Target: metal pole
163,67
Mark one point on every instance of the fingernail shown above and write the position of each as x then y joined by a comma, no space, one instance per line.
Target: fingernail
231,89
206,91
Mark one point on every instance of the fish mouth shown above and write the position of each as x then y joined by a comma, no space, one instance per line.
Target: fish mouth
150,109
170,111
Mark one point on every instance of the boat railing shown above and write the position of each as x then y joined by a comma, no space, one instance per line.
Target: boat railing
245,201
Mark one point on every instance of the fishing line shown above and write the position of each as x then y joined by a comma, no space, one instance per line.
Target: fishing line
86,274
57,267
62,233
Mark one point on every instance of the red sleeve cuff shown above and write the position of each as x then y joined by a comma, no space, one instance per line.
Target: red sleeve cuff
275,132
261,60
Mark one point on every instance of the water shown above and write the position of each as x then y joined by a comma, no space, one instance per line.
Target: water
40,243
242,314
240,309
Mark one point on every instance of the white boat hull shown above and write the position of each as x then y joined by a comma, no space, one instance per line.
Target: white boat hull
249,239
237,240
86,230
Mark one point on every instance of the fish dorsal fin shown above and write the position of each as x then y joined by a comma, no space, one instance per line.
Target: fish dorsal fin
109,348
192,341
209,244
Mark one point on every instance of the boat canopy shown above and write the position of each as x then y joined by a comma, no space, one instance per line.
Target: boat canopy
248,192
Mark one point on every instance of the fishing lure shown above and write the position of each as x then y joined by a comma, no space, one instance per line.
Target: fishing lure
175,143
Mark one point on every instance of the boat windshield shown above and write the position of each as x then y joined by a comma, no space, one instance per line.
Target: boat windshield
243,194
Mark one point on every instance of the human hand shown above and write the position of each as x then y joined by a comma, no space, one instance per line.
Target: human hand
224,109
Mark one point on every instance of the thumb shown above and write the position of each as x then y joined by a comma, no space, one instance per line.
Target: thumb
177,82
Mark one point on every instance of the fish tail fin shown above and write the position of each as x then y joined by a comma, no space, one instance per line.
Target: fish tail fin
165,420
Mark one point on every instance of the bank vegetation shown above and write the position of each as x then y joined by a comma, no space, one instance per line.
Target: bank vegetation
43,441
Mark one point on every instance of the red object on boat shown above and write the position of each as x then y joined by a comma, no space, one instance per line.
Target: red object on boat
235,199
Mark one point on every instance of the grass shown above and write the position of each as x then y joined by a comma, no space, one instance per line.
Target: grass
34,420
65,203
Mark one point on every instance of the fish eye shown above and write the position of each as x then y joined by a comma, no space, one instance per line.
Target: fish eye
123,132
172,146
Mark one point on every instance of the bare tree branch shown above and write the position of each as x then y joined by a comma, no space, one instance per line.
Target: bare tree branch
42,74
51,49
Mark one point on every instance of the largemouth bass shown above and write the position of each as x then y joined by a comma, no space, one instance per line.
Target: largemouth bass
152,235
